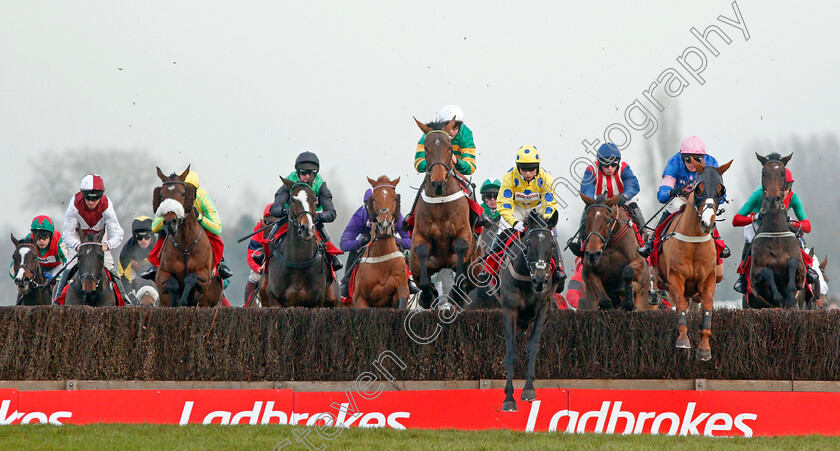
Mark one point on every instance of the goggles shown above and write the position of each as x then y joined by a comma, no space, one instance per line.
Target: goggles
41,235
142,235
688,158
490,195
308,172
92,196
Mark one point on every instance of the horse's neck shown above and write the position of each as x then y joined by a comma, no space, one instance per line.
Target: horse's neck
382,245
452,185
189,230
296,248
688,222
773,221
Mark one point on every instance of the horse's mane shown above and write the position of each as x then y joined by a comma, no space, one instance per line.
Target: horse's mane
437,125
774,156
601,199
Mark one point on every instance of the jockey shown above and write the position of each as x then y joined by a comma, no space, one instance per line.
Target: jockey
134,257
51,249
525,188
357,235
610,177
489,192
748,215
463,159
306,170
677,181
209,220
91,211
255,255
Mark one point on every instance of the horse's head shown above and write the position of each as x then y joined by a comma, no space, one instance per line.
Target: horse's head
173,201
773,180
708,193
383,206
301,208
91,261
25,265
538,248
438,146
599,216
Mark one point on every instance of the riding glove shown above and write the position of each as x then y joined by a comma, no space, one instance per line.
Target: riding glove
519,226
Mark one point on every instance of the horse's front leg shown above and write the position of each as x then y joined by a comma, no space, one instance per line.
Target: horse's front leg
640,285
420,263
676,290
790,290
628,275
172,291
767,275
509,323
595,293
528,392
190,281
707,301
461,245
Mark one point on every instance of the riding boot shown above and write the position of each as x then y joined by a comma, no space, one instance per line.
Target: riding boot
63,280
497,246
352,261
250,288
150,273
118,283
412,287
559,274
645,250
811,275
575,244
223,271
334,261
741,283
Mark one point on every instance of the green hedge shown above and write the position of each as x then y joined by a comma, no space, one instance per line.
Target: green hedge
50,343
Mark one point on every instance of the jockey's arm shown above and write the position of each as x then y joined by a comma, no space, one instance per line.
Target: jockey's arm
113,230
420,156
356,226
464,148
746,215
253,246
669,179
71,222
587,183
157,224
403,239
208,216
504,201
549,198
799,211
281,197
630,182
327,213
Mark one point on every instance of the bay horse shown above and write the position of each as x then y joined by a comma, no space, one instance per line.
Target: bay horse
614,273
184,277
688,261
92,284
381,275
296,273
33,288
776,257
526,290
442,236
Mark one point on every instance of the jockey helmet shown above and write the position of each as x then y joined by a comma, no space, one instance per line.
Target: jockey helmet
693,145
608,154
141,223
788,178
490,186
528,158
192,179
267,210
307,160
449,112
92,183
42,222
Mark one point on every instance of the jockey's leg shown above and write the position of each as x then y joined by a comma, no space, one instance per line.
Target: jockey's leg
223,271
413,206
498,245
575,243
741,283
647,248
334,261
115,278
251,286
639,219
352,261
559,272
63,279
725,252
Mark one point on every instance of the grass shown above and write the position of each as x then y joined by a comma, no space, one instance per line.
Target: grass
214,437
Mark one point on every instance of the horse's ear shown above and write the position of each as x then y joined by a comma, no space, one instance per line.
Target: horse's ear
762,159
160,174
552,221
586,199
699,188
156,200
289,184
824,263
426,129
448,128
183,176
395,181
14,240
99,235
724,168
612,201
786,159
372,182
811,253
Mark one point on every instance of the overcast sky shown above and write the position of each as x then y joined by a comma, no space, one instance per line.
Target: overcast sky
238,89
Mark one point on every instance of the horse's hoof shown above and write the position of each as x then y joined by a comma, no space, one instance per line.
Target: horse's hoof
604,304
704,355
629,306
529,394
509,406
683,343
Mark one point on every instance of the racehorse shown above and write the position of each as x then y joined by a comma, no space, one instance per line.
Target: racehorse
33,288
613,271
443,236
381,276
482,297
92,284
184,277
688,261
296,273
526,290
776,257
812,297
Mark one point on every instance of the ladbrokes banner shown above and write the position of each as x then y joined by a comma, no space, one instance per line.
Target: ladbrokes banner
711,413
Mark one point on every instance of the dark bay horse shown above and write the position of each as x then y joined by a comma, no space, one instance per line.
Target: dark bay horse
442,236
382,276
184,277
33,288
689,259
296,273
613,271
526,289
777,269
91,285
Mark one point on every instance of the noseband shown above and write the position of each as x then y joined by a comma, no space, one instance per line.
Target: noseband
375,219
449,169
97,278
30,274
613,221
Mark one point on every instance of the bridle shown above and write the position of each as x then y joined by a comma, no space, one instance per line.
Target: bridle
300,230
389,232
450,169
612,222
97,278
538,265
30,275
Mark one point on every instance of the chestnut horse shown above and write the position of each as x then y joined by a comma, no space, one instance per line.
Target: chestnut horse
442,236
295,274
776,257
185,276
688,261
33,288
92,284
382,276
613,271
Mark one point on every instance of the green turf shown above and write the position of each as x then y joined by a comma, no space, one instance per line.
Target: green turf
196,437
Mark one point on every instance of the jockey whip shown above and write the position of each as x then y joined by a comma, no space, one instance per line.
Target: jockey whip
261,229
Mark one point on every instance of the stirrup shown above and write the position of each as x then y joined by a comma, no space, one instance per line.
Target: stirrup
645,250
223,271
149,273
336,263
725,253
811,275
740,285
